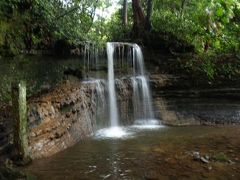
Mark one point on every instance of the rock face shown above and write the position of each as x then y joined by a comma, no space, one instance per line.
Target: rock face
61,118
124,97
178,103
170,114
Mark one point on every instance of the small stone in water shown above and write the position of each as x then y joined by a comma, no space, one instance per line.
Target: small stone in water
128,171
204,160
231,162
92,166
196,155
107,176
206,157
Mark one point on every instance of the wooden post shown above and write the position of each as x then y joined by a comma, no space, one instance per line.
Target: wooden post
19,104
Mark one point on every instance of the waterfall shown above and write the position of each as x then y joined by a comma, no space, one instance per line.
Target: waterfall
90,58
100,88
125,62
111,87
136,99
132,86
142,100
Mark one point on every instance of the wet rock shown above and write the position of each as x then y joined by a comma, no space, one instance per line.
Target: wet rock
32,134
128,171
196,156
68,115
107,176
204,160
231,162
206,157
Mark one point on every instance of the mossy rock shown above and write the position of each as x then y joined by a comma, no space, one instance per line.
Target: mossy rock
221,157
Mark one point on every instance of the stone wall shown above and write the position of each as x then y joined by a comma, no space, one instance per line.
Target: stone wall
61,118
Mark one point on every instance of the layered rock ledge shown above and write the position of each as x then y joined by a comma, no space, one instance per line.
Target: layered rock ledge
61,118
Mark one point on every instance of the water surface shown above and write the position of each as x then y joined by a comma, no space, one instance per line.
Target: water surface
160,153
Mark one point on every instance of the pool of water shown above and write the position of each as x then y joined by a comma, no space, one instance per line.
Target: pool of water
146,153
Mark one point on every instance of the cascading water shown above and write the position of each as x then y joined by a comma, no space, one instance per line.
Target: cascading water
111,87
142,101
121,61
90,57
100,87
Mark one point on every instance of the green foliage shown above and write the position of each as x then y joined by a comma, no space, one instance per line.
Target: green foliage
115,31
212,67
209,25
39,23
212,26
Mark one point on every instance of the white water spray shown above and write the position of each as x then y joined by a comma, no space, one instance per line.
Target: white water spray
111,87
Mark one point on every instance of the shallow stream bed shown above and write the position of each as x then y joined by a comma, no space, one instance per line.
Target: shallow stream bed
160,153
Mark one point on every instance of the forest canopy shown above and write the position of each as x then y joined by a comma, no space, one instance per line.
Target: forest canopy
205,27
27,24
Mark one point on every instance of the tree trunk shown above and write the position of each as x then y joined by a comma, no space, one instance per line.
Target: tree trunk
138,18
148,25
19,104
124,13
28,37
182,7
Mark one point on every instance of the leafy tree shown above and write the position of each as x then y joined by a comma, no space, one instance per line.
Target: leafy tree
28,24
206,24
